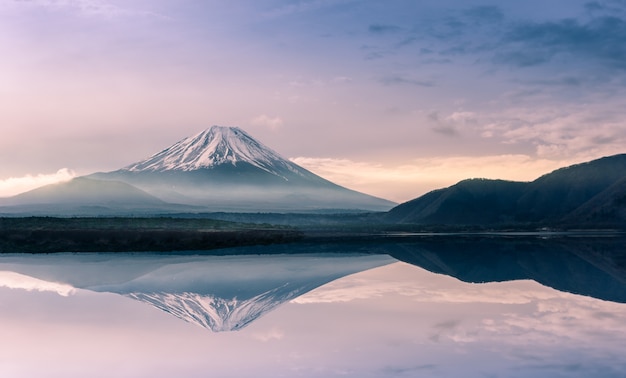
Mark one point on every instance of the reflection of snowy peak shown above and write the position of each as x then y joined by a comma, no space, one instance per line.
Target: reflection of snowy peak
215,313
221,293
231,308
210,312
213,147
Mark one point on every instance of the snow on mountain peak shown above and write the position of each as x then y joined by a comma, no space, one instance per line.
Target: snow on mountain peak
212,147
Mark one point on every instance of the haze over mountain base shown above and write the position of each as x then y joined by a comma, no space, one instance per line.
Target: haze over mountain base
219,169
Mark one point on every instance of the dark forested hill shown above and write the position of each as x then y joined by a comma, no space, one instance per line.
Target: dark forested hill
587,194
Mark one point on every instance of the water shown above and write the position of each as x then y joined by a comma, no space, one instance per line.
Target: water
453,307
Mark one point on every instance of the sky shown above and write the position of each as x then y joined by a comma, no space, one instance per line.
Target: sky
393,98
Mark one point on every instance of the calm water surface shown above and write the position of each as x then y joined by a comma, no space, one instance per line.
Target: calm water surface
458,310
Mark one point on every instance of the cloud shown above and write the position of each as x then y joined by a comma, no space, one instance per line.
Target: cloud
389,371
272,123
593,6
403,80
375,55
450,125
446,130
401,182
486,13
565,132
442,126
599,40
304,6
610,7
16,185
486,37
14,280
92,8
559,81
341,79
383,29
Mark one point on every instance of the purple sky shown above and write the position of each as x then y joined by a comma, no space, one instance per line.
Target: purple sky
392,98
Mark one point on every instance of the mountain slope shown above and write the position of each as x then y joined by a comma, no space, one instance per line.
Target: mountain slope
225,169
84,196
83,190
560,192
569,195
469,201
605,209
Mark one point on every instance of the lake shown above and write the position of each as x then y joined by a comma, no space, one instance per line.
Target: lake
448,307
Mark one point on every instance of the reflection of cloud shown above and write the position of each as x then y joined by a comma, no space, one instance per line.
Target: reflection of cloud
268,335
355,288
449,324
344,290
14,280
16,185
443,328
507,316
568,319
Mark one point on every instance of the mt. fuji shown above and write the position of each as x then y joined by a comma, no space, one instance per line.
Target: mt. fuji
225,169
213,147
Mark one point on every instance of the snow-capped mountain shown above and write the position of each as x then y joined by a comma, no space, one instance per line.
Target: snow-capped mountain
213,147
225,169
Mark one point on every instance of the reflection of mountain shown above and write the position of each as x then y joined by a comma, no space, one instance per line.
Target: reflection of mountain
221,293
225,293
592,267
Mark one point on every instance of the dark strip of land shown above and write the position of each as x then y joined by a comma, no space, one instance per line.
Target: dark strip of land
164,234
47,235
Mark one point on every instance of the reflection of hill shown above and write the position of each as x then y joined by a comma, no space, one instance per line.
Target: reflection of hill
592,267
222,293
